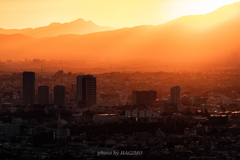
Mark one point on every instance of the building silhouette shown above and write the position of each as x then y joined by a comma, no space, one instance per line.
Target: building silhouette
51,97
43,95
176,94
143,97
28,88
86,90
59,95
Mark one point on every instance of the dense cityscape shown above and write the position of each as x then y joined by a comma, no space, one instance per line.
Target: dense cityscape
116,115
120,80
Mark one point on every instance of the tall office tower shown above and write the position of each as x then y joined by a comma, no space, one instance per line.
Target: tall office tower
142,97
28,88
43,95
176,94
86,90
51,97
59,95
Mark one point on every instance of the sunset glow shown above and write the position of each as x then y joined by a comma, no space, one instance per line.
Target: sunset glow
119,79
176,8
113,13
195,32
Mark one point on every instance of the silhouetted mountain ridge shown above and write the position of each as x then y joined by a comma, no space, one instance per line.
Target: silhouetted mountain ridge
78,26
179,42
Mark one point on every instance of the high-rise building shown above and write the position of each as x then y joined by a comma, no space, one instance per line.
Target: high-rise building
51,97
86,90
43,95
28,88
59,95
142,97
176,94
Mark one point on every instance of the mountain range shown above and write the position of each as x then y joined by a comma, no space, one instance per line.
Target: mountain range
186,40
78,26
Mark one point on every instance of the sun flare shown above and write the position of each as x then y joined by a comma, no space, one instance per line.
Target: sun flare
178,8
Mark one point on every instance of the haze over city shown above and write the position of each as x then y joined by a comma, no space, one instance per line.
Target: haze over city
191,40
111,79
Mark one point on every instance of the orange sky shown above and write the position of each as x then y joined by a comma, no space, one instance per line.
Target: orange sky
115,13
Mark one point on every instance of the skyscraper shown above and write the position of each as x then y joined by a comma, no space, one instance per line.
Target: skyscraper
59,95
176,94
28,88
43,95
86,90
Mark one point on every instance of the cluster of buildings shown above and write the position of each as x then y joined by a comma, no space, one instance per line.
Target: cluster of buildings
86,91
145,97
144,118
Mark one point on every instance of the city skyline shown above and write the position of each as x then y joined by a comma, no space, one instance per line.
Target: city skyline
131,108
110,79
86,89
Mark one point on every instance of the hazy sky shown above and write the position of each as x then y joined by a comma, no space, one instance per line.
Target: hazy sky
114,13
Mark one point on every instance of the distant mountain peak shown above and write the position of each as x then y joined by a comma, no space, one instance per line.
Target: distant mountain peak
79,20
198,39
78,26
